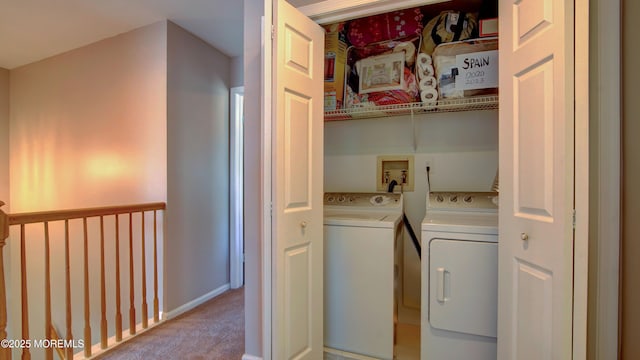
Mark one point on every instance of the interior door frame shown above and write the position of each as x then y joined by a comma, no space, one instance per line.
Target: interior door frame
581,179
236,180
605,327
267,89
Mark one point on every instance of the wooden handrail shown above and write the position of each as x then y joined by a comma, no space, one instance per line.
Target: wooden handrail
44,216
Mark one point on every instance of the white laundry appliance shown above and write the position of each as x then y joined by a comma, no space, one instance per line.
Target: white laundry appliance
459,294
361,235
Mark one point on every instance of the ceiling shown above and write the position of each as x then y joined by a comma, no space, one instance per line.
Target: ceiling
31,30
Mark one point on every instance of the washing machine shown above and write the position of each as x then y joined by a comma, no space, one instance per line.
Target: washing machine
459,294
361,235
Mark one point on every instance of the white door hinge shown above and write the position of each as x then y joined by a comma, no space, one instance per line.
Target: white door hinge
273,32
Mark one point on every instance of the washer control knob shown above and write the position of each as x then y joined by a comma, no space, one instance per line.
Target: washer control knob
379,200
453,198
440,198
524,236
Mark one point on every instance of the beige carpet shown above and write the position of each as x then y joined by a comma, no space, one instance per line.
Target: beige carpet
213,330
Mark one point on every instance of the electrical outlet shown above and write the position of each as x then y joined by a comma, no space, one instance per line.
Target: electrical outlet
429,164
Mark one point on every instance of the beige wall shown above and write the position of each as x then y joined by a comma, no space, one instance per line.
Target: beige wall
87,126
253,10
4,167
140,117
197,246
630,249
4,137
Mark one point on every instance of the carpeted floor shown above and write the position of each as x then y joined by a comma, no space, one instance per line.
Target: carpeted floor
211,331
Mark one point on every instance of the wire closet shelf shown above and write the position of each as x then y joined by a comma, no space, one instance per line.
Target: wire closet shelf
448,105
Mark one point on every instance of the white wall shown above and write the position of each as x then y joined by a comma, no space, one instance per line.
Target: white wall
298,3
253,10
197,246
462,149
237,71
88,128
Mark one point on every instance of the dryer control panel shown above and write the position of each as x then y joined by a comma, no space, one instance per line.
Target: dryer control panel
463,201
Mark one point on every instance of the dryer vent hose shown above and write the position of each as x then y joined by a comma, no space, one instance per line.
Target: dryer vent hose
414,239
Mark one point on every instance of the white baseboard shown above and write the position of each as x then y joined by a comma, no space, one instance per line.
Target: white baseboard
347,355
97,350
250,357
193,303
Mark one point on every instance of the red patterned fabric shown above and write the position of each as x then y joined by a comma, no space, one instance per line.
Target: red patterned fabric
385,47
383,27
410,93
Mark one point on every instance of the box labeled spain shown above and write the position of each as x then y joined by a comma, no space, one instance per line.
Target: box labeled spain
335,56
467,68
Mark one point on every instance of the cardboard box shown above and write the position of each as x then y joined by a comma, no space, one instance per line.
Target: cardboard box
467,68
335,57
382,72
488,27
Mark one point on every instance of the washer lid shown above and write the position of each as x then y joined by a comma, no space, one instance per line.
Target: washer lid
470,223
361,219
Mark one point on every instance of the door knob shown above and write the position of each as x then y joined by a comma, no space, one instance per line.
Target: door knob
524,236
303,224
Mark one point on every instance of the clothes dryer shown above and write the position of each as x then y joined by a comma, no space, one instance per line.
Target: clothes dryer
459,294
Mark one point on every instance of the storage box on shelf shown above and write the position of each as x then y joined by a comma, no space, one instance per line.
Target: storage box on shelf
467,68
382,73
434,80
335,47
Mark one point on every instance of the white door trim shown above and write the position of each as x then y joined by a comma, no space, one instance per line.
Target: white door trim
331,11
236,260
581,179
266,89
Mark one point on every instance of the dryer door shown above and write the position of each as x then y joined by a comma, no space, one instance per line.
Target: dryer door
463,286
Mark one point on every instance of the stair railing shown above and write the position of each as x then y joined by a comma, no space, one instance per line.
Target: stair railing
51,336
